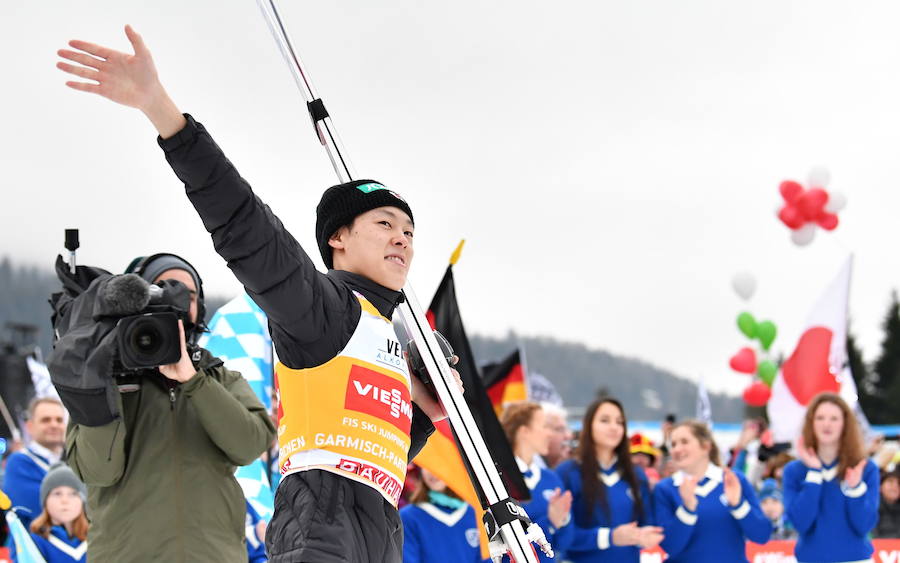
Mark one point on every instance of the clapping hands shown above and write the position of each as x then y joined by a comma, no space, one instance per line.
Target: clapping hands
632,534
853,475
808,456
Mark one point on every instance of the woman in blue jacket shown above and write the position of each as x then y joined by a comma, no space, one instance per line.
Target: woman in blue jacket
707,511
529,433
831,491
438,526
611,497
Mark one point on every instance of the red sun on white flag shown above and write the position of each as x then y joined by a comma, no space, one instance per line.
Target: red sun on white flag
818,363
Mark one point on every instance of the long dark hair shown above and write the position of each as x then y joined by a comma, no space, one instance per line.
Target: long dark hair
593,488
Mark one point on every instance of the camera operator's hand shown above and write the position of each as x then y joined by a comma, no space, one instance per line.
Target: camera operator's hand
129,80
184,369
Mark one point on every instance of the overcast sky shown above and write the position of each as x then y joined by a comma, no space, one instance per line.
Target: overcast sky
611,164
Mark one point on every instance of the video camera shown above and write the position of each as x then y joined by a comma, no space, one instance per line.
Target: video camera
146,315
109,325
147,330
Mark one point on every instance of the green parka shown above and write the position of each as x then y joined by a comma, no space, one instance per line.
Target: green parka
161,483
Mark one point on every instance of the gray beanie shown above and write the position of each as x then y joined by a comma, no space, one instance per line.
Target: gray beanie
152,267
60,475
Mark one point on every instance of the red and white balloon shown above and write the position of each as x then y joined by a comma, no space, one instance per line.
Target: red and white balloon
805,209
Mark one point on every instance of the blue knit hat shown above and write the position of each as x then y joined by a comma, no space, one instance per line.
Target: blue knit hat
770,489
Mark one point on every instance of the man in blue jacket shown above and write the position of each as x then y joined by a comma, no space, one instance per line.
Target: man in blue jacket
26,468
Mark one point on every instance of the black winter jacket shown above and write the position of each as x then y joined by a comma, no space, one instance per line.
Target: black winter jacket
311,315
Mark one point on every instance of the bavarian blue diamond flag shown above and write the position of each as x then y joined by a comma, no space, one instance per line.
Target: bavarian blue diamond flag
239,335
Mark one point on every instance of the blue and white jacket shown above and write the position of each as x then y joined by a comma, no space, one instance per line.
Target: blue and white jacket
60,548
833,520
592,541
436,533
25,469
542,483
715,531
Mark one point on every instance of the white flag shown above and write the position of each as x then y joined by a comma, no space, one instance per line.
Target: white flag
704,409
819,362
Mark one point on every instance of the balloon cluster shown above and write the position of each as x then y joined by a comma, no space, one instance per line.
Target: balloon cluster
747,360
805,209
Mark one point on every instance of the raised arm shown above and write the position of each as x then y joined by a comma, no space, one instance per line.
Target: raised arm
302,305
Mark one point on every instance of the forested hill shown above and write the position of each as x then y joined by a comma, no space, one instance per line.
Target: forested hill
580,373
577,371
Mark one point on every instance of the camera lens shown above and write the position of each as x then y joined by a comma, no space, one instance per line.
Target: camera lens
146,338
149,340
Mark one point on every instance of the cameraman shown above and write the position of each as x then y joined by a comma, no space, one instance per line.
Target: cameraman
160,479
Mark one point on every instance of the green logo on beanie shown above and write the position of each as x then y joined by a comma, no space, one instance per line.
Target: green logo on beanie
370,187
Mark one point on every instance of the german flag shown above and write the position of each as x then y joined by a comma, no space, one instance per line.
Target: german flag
441,454
505,381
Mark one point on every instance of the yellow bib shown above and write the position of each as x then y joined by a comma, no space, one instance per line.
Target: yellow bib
352,414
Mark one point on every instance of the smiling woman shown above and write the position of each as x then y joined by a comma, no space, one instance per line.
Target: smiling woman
611,497
707,512
831,491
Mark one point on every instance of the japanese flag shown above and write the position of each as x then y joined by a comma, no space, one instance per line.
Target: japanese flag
819,362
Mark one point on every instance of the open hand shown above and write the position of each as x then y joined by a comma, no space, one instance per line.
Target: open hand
558,507
129,80
126,79
853,475
808,456
732,486
687,491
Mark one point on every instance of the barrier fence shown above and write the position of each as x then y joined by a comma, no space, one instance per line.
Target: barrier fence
886,551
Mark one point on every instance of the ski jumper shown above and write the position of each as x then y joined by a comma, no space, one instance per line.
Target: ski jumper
592,542
715,531
833,520
341,377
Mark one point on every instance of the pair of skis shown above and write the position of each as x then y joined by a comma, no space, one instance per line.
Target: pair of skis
508,527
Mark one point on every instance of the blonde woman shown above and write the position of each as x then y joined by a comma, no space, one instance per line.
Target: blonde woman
707,511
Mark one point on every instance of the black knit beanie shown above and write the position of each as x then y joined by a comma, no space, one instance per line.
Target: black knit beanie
342,203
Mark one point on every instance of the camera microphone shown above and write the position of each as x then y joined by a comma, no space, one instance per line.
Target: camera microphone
126,294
